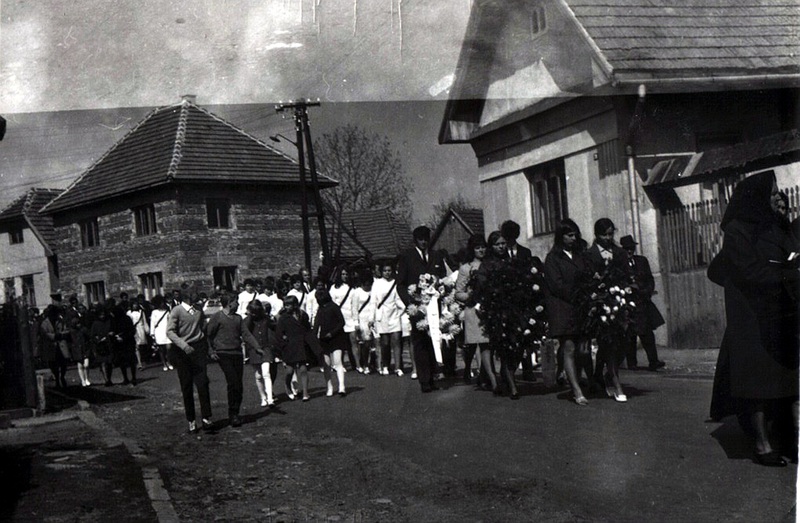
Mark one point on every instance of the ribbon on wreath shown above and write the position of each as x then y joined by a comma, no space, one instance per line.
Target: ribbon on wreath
432,315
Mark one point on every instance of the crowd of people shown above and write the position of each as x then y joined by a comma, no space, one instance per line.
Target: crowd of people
508,302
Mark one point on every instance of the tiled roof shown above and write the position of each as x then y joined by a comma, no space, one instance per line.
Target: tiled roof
383,235
180,143
744,157
671,38
470,219
28,206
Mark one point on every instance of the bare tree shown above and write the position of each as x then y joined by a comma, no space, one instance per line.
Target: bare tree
369,172
457,203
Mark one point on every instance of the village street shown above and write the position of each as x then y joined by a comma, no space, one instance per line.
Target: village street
386,452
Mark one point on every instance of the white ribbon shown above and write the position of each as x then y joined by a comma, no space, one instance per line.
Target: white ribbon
433,327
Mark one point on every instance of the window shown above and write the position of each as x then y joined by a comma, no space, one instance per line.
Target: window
8,290
548,195
225,278
150,284
218,210
95,292
28,290
144,220
609,158
538,21
90,233
15,235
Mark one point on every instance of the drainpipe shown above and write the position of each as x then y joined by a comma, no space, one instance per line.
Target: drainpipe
633,192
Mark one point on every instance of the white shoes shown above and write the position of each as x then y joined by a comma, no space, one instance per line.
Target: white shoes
398,372
385,371
263,402
413,375
165,368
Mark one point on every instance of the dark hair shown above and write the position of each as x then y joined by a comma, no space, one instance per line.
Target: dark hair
566,226
157,301
224,299
123,294
493,237
323,296
473,242
602,225
291,300
510,230
296,278
256,309
422,233
337,274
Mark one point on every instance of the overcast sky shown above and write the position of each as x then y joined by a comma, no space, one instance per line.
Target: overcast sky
131,56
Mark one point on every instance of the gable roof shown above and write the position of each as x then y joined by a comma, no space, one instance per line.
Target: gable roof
175,144
27,207
690,45
470,219
378,231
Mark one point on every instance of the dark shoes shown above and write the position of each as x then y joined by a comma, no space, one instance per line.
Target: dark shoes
206,425
236,421
770,459
656,365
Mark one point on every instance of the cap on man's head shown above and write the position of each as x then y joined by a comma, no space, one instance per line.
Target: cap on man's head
627,242
422,233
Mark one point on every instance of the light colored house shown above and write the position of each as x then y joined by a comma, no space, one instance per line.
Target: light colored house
185,196
28,263
573,108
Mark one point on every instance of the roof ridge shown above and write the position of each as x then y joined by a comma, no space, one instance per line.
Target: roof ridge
101,158
180,138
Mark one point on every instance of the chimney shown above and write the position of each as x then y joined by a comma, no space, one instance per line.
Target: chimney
192,98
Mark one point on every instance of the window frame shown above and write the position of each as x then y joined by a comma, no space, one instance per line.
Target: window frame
151,283
90,232
547,182
29,289
16,235
144,220
220,275
214,206
95,292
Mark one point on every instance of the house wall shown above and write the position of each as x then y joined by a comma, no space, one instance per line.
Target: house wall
265,238
453,237
24,259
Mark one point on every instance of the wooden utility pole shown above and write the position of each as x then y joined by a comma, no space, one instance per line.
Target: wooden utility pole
303,133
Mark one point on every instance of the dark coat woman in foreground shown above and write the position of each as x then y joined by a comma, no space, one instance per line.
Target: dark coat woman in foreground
757,370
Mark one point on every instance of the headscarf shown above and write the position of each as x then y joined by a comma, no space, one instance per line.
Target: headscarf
750,202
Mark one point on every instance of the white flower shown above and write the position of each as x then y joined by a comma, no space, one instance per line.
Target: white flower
623,301
633,304
628,290
532,321
539,308
534,270
535,288
604,318
615,309
527,332
606,308
611,317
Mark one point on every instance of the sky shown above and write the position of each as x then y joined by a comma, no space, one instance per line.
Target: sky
77,75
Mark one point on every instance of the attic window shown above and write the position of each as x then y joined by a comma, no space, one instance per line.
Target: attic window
144,220
217,212
15,235
538,21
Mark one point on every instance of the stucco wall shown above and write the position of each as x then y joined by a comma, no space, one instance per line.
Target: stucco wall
23,259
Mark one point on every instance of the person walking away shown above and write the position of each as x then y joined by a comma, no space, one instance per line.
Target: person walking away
100,339
648,317
123,344
261,325
756,376
329,329
141,332
189,353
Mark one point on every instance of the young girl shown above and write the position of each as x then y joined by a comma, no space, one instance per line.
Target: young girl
363,314
158,329
297,344
142,329
329,327
341,292
259,323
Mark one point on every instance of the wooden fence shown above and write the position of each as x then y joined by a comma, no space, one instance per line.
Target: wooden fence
691,237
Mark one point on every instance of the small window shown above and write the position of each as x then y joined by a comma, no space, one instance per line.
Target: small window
90,233
9,290
218,210
144,220
538,21
609,158
150,284
548,186
28,290
95,292
15,236
225,278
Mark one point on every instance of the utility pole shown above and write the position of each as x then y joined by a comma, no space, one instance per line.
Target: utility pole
303,133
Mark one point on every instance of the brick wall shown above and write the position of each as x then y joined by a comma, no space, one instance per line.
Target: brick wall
264,238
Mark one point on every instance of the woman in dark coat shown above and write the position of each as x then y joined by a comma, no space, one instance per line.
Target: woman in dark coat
100,340
53,336
123,344
259,323
297,345
757,369
329,328
563,267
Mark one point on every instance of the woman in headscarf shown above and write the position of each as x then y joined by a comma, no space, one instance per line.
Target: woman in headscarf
757,369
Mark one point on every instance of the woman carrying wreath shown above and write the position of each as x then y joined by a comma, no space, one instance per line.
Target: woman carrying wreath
563,269
474,337
757,371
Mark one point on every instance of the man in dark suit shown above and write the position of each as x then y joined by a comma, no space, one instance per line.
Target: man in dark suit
516,252
412,264
648,318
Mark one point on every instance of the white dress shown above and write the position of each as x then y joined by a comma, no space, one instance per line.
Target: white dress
244,300
158,326
388,316
140,324
341,296
363,312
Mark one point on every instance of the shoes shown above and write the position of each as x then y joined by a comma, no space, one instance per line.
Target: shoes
236,421
770,459
413,375
133,383
270,403
126,382
514,395
426,390
108,384
263,402
467,378
434,387
399,372
140,367
385,371
581,400
656,365
359,370
342,393
207,425
170,366
306,398
366,370
291,395
329,393
166,368
621,398
192,427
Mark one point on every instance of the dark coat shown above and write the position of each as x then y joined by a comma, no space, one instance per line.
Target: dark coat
596,261
296,341
329,328
263,330
524,256
648,317
561,275
123,345
100,341
758,357
411,266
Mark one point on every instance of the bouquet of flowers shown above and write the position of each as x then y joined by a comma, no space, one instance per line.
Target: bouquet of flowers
422,294
511,305
452,312
606,302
